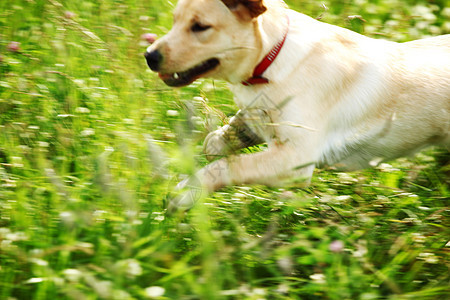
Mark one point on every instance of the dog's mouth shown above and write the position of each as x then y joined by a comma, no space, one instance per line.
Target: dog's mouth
179,79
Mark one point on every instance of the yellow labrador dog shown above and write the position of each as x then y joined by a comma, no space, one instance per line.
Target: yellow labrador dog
317,94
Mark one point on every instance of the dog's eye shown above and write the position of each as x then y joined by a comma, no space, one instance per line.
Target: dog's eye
197,27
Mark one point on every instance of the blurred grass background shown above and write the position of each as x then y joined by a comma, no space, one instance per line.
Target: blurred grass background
91,143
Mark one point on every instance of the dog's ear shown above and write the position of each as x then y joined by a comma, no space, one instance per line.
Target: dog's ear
252,8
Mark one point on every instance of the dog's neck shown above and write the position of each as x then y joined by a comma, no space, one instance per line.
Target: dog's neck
267,61
270,29
271,26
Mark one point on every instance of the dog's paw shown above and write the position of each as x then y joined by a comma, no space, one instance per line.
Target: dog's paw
216,144
182,203
190,191
206,180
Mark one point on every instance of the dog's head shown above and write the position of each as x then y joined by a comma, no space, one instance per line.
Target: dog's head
209,38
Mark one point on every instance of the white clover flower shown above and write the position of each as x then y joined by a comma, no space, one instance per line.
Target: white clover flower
87,132
172,113
72,275
82,110
318,278
154,291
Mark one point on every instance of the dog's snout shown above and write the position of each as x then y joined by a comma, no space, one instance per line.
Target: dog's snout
154,59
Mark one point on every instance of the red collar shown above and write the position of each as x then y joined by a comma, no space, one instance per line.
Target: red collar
257,77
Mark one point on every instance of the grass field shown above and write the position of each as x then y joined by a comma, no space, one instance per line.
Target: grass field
92,142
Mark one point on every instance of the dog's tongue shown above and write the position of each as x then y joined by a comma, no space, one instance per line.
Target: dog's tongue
165,76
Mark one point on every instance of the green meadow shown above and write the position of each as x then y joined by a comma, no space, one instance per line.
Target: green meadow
92,144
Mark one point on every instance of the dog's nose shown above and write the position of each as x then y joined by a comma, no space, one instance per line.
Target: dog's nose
154,59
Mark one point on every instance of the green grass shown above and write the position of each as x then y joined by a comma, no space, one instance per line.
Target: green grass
85,127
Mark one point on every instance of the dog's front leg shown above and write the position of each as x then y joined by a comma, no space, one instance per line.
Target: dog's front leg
230,138
269,167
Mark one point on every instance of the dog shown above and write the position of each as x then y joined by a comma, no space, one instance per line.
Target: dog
317,94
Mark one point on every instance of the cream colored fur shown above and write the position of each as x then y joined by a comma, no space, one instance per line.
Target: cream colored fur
335,97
